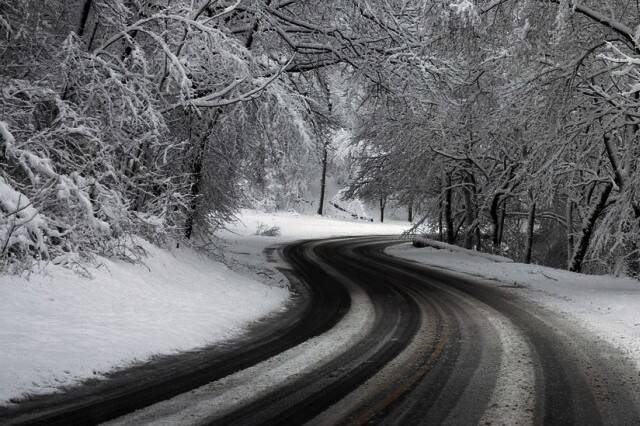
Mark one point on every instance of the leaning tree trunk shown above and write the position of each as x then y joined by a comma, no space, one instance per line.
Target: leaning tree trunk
503,214
587,229
530,226
86,9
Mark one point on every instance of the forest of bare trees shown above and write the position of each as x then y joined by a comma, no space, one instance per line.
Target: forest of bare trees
509,126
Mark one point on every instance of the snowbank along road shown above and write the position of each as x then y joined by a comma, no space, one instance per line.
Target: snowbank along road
375,339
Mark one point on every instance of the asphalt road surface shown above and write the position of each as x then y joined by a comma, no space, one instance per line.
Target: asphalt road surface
385,341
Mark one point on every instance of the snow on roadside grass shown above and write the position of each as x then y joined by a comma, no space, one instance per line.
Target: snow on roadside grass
57,328
607,306
298,226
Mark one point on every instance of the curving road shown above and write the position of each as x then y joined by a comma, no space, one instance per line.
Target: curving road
445,350
375,339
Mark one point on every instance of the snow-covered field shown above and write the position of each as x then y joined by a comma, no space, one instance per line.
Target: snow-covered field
58,328
607,306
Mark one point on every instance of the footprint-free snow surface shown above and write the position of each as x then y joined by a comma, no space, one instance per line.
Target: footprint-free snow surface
58,328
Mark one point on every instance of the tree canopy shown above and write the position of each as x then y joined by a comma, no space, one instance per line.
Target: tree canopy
501,123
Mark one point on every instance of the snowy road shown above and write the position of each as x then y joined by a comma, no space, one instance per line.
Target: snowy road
444,350
384,340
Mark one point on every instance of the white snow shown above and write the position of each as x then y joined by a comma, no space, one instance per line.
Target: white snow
295,226
244,249
58,328
605,305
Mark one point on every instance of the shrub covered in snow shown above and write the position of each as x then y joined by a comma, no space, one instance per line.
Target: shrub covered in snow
45,212
267,230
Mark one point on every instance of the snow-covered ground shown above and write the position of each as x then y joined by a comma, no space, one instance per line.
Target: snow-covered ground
58,328
607,306
244,248
296,226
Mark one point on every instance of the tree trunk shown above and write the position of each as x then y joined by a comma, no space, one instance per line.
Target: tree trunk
470,217
503,214
196,177
93,37
410,212
569,220
495,223
587,229
140,162
86,9
476,229
530,226
440,234
323,179
383,202
448,216
196,183
325,148
254,28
